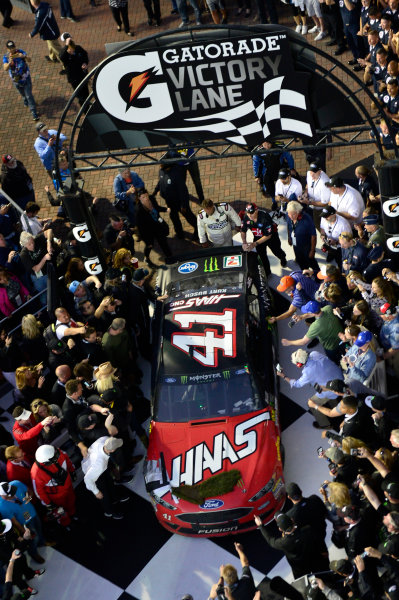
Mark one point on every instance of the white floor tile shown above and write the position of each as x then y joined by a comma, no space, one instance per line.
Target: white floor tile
195,569
65,579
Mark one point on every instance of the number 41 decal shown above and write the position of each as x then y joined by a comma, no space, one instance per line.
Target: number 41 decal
210,340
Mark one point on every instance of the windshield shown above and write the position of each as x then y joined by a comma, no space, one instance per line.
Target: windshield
231,281
185,398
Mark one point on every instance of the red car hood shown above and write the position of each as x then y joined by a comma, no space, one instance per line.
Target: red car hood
193,452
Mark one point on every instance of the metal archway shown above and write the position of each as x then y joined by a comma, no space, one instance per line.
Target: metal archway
306,58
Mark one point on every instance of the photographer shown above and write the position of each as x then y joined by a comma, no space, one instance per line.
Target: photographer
317,370
35,253
300,288
342,467
266,167
16,63
356,422
45,146
18,571
229,585
331,227
317,195
118,234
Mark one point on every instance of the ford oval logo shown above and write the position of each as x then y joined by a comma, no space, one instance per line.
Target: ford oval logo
212,504
170,380
188,267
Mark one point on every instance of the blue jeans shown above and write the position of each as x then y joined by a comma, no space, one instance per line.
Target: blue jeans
352,39
66,9
25,89
182,8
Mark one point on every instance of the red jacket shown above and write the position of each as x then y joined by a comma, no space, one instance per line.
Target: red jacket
16,471
45,487
27,437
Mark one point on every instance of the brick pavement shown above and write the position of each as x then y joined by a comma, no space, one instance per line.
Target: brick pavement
222,179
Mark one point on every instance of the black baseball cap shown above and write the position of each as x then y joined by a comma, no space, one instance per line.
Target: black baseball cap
336,385
251,208
314,167
41,126
85,421
10,44
328,211
376,402
351,512
283,173
393,490
335,182
284,522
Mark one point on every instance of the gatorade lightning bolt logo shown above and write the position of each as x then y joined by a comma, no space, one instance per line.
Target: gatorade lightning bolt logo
393,244
391,207
81,232
137,84
93,265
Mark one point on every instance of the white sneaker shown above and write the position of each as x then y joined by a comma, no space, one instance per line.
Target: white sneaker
298,28
304,29
321,36
314,29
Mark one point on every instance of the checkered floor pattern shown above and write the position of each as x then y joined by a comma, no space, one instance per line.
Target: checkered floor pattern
136,558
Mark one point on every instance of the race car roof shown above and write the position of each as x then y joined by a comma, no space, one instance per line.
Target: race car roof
203,325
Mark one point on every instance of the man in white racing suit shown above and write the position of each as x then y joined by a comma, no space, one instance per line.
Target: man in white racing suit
216,222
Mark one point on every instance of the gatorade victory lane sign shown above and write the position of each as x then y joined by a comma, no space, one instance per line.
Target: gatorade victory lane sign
241,90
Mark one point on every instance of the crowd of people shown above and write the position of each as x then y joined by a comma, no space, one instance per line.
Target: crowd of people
77,371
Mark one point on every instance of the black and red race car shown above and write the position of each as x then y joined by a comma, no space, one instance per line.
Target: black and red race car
214,457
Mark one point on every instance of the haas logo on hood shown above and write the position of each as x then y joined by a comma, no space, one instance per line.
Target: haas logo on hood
81,232
132,88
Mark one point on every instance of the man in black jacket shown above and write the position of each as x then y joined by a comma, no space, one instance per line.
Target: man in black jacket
173,189
299,545
46,25
308,511
75,60
9,541
265,235
139,312
356,423
359,534
16,181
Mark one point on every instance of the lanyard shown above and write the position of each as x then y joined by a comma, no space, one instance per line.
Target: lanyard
330,230
287,190
341,198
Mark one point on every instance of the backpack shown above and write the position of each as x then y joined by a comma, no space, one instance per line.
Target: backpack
59,476
51,339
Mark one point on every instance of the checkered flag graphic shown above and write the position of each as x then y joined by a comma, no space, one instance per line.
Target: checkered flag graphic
280,110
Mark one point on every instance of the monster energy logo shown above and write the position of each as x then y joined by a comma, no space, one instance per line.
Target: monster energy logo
226,374
184,379
213,265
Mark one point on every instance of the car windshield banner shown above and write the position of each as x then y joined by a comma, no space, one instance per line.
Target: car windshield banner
242,90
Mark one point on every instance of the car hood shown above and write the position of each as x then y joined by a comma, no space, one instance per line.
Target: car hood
188,453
